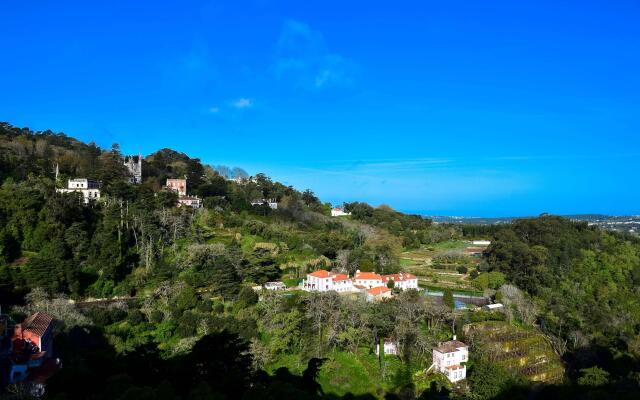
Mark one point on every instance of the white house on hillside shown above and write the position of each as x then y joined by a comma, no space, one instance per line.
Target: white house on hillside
339,212
324,281
379,293
402,281
272,203
448,358
89,188
189,201
389,347
275,286
368,279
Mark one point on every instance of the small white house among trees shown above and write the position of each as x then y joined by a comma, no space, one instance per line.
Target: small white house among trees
389,347
339,212
272,203
448,358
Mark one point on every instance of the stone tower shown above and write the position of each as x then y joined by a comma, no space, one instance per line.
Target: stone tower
134,165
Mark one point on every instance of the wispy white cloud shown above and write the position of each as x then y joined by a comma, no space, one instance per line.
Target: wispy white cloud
232,107
302,57
242,103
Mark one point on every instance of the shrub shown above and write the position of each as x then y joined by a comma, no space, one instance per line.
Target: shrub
135,317
156,317
247,296
593,377
218,308
188,325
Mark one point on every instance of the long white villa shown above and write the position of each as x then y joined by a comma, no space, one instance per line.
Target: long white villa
448,358
324,281
89,188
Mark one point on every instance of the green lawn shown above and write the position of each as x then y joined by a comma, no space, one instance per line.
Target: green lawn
407,262
345,372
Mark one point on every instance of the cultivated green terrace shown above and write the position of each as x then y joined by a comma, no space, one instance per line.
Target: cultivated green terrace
158,301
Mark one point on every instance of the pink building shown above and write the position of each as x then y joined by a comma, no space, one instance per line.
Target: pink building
178,185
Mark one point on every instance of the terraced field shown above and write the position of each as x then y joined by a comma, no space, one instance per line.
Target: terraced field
522,351
426,264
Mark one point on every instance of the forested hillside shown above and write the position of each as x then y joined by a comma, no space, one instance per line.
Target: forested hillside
586,284
157,301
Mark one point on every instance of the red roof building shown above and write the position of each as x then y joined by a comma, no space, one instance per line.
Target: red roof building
402,280
32,351
368,279
321,273
36,330
378,293
324,281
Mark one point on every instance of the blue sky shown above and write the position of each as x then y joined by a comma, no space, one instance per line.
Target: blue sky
488,108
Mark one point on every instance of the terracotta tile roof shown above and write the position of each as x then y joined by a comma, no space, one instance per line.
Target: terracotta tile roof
321,273
378,290
340,277
450,346
38,323
368,276
402,276
454,367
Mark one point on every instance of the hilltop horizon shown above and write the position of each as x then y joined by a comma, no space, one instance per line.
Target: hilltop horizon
337,201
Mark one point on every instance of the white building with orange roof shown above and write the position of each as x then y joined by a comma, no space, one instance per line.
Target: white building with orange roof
368,279
448,358
402,280
324,281
378,293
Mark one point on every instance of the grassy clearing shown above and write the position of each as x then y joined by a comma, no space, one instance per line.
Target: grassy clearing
407,262
292,362
359,374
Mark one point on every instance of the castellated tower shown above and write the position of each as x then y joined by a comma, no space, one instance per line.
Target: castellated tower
134,165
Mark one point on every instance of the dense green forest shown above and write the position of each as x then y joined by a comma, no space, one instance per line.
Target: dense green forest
155,301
